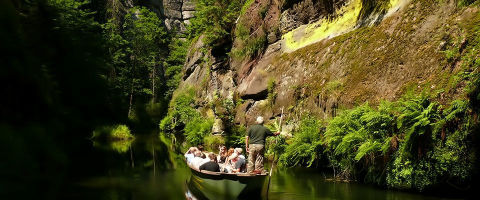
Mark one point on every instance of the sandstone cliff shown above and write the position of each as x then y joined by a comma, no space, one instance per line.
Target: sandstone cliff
321,57
176,13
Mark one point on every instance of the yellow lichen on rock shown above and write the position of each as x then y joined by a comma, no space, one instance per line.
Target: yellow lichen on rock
324,29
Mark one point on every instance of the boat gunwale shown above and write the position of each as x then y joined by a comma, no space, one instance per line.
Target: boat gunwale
223,175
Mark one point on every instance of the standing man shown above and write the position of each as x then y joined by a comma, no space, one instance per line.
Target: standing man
256,135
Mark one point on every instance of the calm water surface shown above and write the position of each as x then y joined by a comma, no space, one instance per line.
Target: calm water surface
141,170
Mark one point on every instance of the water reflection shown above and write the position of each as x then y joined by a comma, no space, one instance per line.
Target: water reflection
120,146
223,189
145,169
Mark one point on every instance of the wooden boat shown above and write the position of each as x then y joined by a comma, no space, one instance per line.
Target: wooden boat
217,185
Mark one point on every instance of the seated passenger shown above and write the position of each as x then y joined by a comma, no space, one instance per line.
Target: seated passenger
211,165
229,154
199,159
233,159
200,147
240,165
235,156
189,155
222,154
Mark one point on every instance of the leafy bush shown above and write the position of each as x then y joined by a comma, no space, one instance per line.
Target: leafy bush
235,136
360,134
412,143
445,154
180,111
417,120
197,129
212,142
305,148
117,132
183,119
215,19
248,44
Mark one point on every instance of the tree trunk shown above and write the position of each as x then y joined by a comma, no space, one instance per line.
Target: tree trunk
131,100
153,84
131,89
153,158
131,157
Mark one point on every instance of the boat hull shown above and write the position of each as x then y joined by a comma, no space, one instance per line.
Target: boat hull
226,186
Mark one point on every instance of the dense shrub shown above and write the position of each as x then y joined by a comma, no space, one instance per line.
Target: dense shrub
248,44
215,19
437,150
212,142
360,135
180,111
197,129
184,121
117,132
412,143
305,148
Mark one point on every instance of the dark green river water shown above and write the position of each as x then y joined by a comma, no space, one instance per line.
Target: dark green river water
142,170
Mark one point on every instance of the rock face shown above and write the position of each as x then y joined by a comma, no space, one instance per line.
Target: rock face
371,65
176,13
254,87
307,11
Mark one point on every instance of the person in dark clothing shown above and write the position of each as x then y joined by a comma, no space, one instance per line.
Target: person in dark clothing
255,145
212,165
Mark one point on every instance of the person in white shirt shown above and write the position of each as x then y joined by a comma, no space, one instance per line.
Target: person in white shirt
199,160
189,154
232,160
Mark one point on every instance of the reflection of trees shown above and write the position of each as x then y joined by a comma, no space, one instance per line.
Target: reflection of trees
119,146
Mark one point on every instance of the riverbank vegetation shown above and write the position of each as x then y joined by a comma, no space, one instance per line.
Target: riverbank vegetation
412,143
417,142
117,132
188,126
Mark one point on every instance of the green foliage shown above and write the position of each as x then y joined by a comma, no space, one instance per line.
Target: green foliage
183,119
305,149
212,142
173,66
235,136
272,95
462,3
275,146
215,19
412,143
136,43
145,33
248,44
197,129
72,14
117,132
358,134
180,111
119,146
446,153
417,120
245,6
